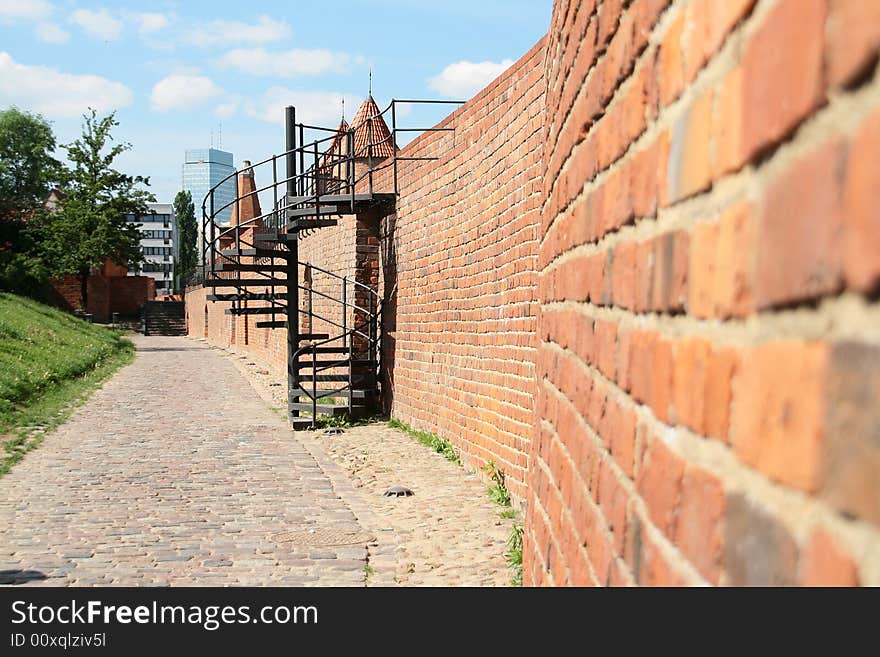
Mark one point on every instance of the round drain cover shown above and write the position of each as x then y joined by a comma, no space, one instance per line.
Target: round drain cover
312,537
398,491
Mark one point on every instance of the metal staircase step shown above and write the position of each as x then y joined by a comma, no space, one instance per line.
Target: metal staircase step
302,224
277,310
251,253
320,393
302,364
325,409
337,378
301,423
325,350
272,325
293,213
248,296
245,282
250,266
336,199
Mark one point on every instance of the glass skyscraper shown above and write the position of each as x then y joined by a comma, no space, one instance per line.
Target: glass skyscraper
202,169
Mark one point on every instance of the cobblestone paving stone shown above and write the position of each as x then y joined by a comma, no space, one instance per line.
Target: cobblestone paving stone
174,472
448,534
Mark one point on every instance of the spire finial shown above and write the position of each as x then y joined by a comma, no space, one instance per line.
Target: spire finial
371,81
343,108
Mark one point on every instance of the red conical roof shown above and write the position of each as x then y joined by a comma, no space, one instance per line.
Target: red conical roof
369,127
339,146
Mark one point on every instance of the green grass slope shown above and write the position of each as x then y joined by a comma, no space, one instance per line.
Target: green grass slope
49,362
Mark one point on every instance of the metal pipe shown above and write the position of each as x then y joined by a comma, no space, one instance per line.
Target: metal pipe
292,273
394,141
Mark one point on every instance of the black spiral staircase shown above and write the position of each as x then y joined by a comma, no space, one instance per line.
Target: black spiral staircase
332,321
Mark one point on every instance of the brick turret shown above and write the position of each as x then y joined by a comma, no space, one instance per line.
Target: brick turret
248,205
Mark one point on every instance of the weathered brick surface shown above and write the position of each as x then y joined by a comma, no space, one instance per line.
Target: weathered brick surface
708,269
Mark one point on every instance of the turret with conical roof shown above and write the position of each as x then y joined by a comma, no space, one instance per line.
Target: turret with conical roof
333,169
373,142
372,138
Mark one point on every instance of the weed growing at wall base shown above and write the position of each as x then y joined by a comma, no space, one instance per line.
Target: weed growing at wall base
498,493
514,554
438,444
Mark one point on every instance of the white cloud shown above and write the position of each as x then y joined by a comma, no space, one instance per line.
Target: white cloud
183,92
463,79
221,32
99,24
288,64
313,107
29,10
227,110
151,22
56,94
51,33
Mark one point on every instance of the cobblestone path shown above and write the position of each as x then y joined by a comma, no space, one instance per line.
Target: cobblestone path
175,472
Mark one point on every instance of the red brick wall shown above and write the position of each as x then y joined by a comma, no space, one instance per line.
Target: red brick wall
106,294
458,271
709,358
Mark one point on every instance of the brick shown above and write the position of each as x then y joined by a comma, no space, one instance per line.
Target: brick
825,563
852,36
711,22
691,359
727,128
778,408
661,386
852,456
701,269
659,485
758,548
734,255
688,168
862,198
782,72
700,529
671,62
623,442
800,246
671,276
624,275
718,392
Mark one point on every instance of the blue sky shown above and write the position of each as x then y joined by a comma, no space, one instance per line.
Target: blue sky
176,71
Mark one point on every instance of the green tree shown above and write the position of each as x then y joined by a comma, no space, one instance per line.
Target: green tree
186,231
28,171
90,226
27,168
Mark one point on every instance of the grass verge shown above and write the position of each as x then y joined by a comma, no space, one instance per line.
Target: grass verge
50,362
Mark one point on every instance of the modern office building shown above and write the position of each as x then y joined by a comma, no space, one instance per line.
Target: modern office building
160,245
202,169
